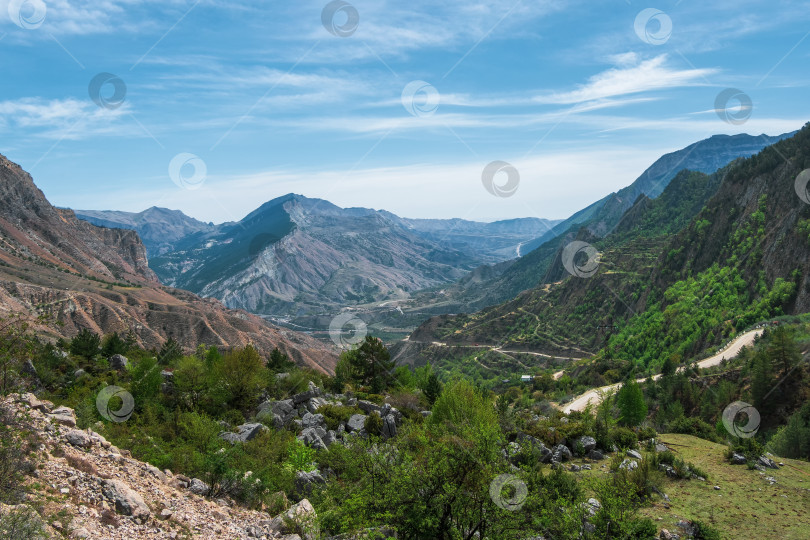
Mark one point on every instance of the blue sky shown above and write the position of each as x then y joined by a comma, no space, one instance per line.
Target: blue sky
259,99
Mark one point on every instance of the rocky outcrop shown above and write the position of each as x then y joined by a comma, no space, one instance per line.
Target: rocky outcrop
126,500
245,433
118,362
96,484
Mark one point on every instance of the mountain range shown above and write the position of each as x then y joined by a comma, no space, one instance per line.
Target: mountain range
83,276
677,275
303,260
600,218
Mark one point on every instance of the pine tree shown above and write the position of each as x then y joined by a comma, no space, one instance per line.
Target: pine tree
279,361
113,344
632,407
762,380
86,344
433,389
170,352
783,349
371,364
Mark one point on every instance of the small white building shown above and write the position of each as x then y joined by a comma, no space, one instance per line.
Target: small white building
526,378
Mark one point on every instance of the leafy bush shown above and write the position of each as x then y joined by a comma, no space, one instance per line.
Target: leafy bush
624,437
22,523
693,426
647,432
300,457
16,457
702,531
334,415
373,424
85,344
750,448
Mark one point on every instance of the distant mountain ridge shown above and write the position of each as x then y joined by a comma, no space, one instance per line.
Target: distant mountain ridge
159,228
602,216
710,256
84,276
295,256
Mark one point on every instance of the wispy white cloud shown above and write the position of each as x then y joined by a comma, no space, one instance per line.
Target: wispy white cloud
631,78
60,118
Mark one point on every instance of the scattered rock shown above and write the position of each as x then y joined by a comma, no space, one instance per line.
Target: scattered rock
299,515
125,499
246,433
29,369
686,527
593,506
317,438
561,453
280,412
80,533
356,423
738,459
389,428
78,438
629,464
596,455
634,454
118,362
63,415
767,463
312,420
198,487
588,443
306,481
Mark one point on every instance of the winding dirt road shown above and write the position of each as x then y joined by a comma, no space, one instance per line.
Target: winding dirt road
595,395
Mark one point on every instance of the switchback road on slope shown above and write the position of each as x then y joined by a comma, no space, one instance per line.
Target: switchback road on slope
595,395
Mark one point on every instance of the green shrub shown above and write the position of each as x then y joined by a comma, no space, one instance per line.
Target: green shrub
647,432
704,531
624,437
750,448
22,523
374,424
374,398
300,457
234,417
334,415
693,426
16,457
